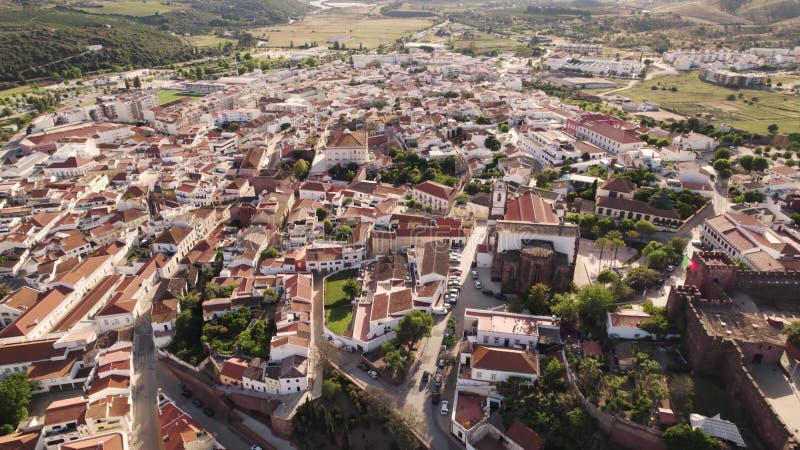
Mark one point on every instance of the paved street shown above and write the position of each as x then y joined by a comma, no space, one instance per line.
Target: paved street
146,434
170,385
413,395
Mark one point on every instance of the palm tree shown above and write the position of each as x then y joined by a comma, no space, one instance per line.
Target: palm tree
601,242
615,242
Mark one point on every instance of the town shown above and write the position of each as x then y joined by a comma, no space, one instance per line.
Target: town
408,249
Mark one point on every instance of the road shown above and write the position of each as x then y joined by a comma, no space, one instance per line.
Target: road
413,395
170,385
145,434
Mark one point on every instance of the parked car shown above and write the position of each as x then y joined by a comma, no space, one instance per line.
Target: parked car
363,366
256,447
435,397
697,244
474,274
349,348
437,381
373,374
187,393
208,411
426,376
499,296
477,284
444,409
488,292
197,402
327,336
474,264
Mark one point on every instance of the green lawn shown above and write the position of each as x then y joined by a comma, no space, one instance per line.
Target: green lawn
334,284
169,96
338,317
140,8
696,96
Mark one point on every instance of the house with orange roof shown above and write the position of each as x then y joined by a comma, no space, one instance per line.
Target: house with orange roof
178,430
346,146
437,196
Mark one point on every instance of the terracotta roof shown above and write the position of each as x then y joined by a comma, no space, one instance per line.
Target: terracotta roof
524,436
530,208
110,382
636,206
174,235
294,366
31,318
505,360
618,185
22,441
21,299
347,139
435,189
113,441
67,410
29,351
234,368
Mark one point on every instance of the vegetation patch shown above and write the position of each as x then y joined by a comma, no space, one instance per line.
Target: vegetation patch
750,110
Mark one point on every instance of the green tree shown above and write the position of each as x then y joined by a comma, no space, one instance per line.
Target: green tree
722,153
492,143
760,164
606,276
322,213
351,288
641,277
723,167
644,228
15,396
538,299
746,161
684,437
545,178
331,388
792,333
413,326
772,128
301,169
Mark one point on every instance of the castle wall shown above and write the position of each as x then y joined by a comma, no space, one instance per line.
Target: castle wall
727,361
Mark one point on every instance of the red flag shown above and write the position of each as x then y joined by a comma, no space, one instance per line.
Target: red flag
693,265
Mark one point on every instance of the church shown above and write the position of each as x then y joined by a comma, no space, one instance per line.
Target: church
529,243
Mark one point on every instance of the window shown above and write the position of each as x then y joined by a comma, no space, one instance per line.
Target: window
493,376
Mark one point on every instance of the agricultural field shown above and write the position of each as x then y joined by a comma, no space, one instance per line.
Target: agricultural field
207,40
141,8
360,24
746,109
481,43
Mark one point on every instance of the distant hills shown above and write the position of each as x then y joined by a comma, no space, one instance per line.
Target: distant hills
42,39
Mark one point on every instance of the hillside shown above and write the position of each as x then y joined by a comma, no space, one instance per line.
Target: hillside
734,11
52,43
41,40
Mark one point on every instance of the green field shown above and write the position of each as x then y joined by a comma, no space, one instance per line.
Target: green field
170,96
130,8
695,96
484,43
362,28
338,317
207,40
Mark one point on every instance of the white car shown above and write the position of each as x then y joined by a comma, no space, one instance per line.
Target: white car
445,407
373,374
327,336
477,284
